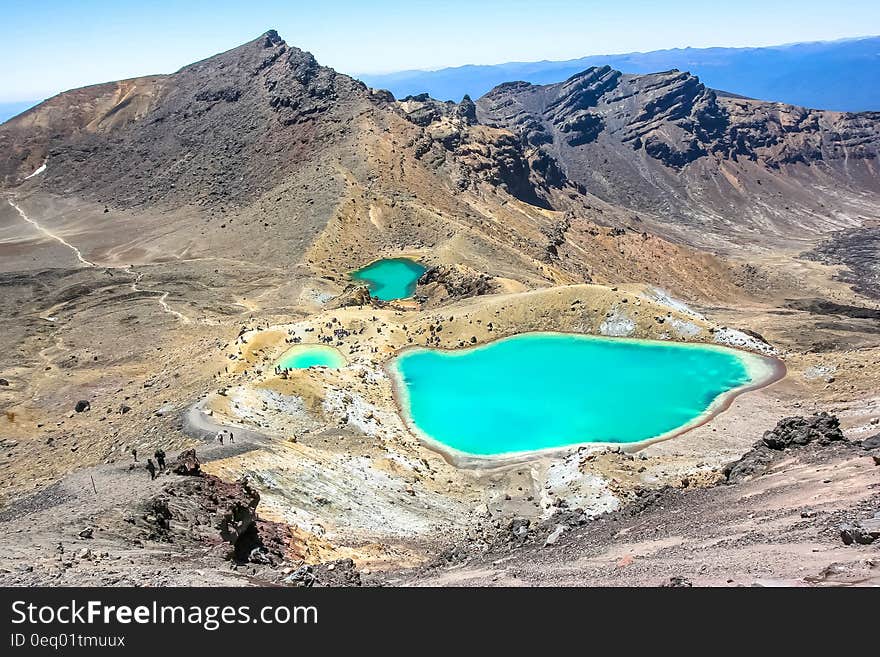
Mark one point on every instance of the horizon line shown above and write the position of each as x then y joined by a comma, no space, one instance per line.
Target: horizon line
51,94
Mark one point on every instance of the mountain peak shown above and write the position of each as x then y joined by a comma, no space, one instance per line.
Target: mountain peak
271,38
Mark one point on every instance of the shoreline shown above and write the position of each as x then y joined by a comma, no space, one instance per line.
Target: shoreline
764,371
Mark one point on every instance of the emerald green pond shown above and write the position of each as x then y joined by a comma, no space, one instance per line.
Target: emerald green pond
391,278
303,356
546,390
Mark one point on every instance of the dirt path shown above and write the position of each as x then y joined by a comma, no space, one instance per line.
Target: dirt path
162,295
53,236
199,424
161,299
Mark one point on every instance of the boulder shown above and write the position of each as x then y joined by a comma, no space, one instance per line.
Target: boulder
187,464
4,383
238,515
753,463
158,519
863,532
871,443
821,428
798,431
82,405
342,572
301,577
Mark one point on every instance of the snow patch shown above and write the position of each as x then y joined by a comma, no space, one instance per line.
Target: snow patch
39,170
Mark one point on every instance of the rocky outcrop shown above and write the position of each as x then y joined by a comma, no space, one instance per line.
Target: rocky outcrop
798,431
791,432
195,506
187,464
340,573
863,532
651,142
353,295
444,282
675,119
473,154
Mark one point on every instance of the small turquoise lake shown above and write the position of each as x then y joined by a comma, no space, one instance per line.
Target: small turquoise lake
303,356
547,390
391,278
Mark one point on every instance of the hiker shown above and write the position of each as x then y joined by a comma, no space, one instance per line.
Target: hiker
220,436
151,467
134,453
160,458
231,439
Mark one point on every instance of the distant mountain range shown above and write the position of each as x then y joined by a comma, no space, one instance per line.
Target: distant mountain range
835,75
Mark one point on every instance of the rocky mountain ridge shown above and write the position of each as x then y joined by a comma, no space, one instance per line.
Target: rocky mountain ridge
666,141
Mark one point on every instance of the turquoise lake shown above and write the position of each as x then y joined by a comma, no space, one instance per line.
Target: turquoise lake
303,356
544,390
391,278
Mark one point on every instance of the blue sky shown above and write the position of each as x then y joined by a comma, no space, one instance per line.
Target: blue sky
52,45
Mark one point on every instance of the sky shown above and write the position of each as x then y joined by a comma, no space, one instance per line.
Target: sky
50,46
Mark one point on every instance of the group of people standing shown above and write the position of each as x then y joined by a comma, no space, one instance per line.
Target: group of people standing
159,455
225,434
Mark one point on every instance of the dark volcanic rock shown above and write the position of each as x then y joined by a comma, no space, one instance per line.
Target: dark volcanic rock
822,429
82,405
826,307
302,577
863,532
341,573
753,463
208,510
677,582
797,431
237,518
158,519
467,110
856,249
